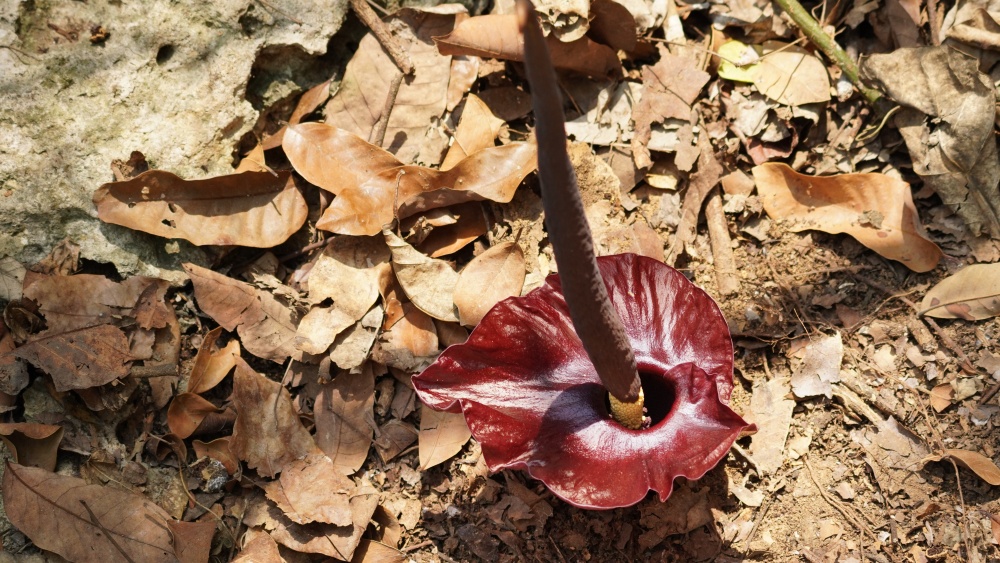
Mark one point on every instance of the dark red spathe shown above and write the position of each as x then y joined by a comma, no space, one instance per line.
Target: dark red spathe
533,400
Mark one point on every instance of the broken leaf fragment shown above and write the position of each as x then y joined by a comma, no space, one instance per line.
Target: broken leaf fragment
875,209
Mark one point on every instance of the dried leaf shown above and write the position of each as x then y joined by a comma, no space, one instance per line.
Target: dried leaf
72,302
186,413
338,542
311,490
875,209
613,25
266,327
428,283
488,279
212,364
788,74
476,130
268,434
32,444
376,552
259,547
493,174
394,437
344,420
670,88
11,278
319,328
442,435
975,461
218,449
351,348
947,123
410,344
257,209
348,272
498,37
320,152
772,412
80,359
359,102
469,224
91,523
941,396
820,367
971,294
13,371
308,103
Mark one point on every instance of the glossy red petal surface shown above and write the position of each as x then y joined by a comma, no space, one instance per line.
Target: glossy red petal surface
533,400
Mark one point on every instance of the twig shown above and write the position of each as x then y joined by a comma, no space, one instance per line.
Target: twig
722,250
811,29
378,132
933,23
383,34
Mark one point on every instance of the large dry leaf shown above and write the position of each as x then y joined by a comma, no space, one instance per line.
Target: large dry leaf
476,130
72,302
376,552
344,420
257,209
975,461
492,173
428,283
498,37
947,125
875,209
788,74
90,523
488,279
348,272
311,490
359,103
259,547
442,435
32,444
266,326
338,542
319,328
308,103
319,153
80,359
268,434
972,294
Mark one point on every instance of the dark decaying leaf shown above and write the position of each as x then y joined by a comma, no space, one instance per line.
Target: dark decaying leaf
90,523
33,445
531,397
80,359
256,209
13,370
72,302
498,37
268,434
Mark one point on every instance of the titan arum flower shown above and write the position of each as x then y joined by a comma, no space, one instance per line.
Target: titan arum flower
610,380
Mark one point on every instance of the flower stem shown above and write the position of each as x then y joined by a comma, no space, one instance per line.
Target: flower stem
595,319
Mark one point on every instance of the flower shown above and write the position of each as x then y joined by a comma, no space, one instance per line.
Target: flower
532,397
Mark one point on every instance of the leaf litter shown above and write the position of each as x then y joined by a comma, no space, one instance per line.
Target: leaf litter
873,386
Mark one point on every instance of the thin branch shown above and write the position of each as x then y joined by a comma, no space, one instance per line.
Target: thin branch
384,35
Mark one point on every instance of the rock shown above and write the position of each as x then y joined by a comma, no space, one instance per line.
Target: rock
86,83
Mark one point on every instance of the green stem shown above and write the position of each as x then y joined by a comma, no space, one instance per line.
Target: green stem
812,30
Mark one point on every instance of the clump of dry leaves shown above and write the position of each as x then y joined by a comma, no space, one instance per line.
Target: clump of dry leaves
264,412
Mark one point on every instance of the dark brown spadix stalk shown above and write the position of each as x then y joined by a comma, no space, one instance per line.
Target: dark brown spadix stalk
596,321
